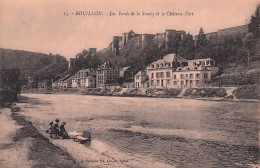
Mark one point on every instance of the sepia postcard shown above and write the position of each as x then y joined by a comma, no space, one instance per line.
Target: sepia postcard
129,83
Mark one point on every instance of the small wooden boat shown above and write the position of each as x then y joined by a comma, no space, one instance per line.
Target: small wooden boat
80,137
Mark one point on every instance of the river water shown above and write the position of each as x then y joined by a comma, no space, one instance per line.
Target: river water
162,131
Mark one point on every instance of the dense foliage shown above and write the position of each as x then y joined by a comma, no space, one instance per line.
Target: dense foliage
38,65
253,26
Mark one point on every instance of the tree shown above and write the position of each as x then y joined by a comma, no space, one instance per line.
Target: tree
201,45
201,41
253,26
187,47
84,52
174,43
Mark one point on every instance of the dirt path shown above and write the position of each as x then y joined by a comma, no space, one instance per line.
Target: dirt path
22,145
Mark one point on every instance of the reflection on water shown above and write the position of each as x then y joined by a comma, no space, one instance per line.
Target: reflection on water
179,132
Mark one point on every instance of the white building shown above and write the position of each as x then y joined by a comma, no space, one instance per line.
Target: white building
84,78
141,79
176,72
190,77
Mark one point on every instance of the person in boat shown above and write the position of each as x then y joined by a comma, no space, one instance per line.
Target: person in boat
56,129
62,132
50,127
51,130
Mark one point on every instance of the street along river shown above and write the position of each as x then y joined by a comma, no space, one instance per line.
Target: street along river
152,132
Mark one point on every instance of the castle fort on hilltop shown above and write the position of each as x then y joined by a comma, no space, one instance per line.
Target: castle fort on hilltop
144,40
160,39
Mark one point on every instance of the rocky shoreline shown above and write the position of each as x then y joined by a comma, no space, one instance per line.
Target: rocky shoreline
243,94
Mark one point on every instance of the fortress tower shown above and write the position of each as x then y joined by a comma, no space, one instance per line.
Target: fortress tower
71,62
127,36
115,43
146,39
169,34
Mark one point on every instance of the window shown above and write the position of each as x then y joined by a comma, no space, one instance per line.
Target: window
207,63
187,75
191,76
137,76
161,64
174,76
197,75
205,75
168,82
152,65
167,74
158,83
152,76
157,65
182,82
175,83
182,76
157,74
152,83
162,74
197,82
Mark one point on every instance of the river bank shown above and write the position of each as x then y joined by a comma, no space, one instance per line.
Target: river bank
23,146
248,93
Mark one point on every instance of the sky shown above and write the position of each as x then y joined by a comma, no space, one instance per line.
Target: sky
41,25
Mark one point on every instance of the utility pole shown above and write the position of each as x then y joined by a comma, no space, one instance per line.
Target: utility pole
248,57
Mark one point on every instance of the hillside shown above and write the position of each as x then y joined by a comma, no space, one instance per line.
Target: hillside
39,65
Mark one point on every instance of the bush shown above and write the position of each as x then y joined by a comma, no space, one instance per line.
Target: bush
173,92
205,92
247,92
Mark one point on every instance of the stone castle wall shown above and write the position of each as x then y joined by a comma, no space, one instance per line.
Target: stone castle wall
145,39
238,30
159,39
233,30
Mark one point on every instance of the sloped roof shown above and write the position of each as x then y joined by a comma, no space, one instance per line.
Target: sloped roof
90,71
201,59
84,70
170,58
124,69
141,73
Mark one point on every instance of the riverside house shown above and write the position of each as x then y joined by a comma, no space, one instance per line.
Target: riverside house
141,80
107,75
62,83
84,78
177,72
46,84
